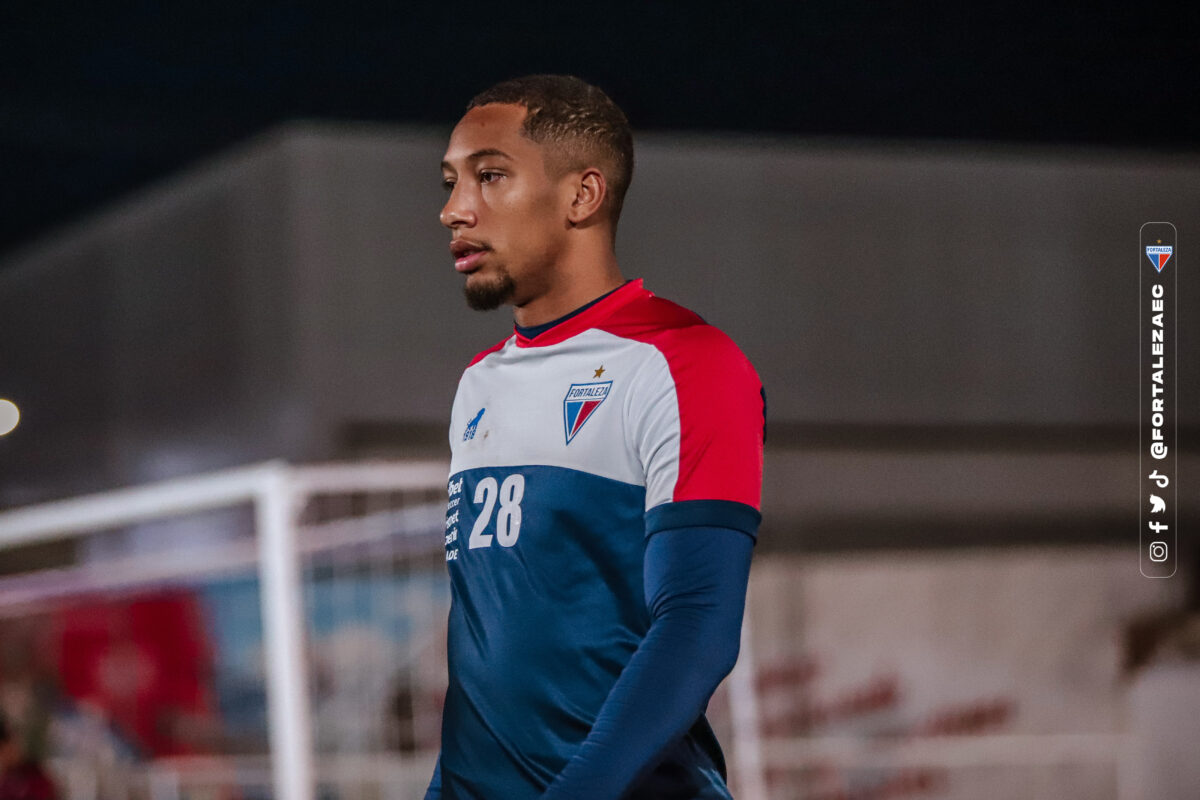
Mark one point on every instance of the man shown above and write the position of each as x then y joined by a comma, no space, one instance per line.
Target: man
605,478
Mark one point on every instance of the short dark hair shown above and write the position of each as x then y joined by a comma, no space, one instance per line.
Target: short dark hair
587,127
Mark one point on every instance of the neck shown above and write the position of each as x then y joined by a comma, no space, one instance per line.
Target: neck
576,280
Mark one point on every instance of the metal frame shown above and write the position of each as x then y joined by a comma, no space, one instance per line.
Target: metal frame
277,490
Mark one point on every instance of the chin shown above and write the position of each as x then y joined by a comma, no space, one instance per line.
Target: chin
486,293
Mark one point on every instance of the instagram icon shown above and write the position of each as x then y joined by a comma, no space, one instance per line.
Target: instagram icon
1158,552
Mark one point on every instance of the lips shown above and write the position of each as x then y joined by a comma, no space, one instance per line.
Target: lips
466,254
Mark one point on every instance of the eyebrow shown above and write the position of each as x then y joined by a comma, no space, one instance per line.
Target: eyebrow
478,154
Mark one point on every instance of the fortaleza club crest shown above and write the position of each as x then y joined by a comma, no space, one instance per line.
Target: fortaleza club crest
1159,255
581,402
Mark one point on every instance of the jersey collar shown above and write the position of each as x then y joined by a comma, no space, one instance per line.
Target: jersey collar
586,319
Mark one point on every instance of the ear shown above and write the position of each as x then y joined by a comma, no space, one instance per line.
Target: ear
590,191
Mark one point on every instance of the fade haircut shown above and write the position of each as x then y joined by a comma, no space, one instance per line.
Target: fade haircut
583,126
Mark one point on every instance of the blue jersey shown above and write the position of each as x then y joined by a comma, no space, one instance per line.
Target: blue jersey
568,450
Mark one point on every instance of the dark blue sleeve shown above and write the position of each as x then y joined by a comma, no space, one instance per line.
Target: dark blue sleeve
695,586
434,792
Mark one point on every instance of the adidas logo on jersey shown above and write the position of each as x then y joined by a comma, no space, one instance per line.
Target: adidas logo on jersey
473,425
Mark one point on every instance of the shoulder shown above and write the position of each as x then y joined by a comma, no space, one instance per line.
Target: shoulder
648,316
482,354
689,345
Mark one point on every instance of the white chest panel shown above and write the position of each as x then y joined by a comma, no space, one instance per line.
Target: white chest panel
522,393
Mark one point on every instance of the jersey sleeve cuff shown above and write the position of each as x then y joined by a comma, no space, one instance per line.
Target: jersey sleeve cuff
704,513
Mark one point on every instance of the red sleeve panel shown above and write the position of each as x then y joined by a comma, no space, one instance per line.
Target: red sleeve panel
720,416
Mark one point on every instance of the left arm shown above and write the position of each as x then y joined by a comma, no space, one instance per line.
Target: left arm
695,587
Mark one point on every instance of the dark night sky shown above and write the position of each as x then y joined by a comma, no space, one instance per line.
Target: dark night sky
97,101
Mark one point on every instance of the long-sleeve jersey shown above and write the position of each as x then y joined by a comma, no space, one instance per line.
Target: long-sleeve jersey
569,449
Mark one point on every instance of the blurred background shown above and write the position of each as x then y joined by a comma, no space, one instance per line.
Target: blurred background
231,325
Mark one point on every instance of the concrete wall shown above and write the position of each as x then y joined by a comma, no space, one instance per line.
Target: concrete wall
296,299
155,338
869,284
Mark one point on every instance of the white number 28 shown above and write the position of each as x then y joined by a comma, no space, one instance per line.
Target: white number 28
508,521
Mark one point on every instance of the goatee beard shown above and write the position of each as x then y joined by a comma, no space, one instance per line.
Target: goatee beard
490,295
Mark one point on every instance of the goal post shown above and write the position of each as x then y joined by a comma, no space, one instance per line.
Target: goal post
278,493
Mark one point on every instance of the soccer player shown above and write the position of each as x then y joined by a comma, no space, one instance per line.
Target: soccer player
605,478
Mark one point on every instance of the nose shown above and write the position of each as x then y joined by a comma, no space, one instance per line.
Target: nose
457,213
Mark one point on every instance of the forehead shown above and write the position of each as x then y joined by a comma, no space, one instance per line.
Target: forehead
496,126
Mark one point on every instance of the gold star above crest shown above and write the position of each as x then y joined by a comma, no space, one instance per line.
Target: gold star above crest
599,372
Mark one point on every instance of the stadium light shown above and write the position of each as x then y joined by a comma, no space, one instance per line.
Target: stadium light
10,415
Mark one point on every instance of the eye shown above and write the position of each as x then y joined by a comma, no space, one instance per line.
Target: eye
447,184
488,176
